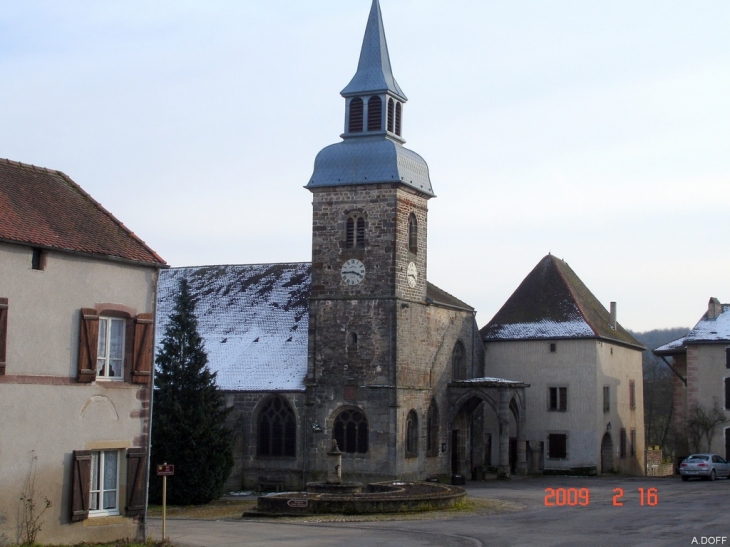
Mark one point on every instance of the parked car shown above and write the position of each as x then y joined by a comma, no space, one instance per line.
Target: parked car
706,466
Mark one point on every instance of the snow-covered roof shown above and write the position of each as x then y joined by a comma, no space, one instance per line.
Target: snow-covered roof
491,381
552,302
253,318
710,329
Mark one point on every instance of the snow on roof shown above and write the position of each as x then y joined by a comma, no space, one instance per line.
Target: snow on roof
712,330
672,347
253,319
546,328
487,380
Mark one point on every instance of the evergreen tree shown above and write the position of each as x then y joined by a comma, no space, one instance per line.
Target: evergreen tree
189,414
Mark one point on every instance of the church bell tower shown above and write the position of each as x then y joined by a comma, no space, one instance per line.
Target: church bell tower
369,249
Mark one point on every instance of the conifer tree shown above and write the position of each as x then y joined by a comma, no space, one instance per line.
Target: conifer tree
189,414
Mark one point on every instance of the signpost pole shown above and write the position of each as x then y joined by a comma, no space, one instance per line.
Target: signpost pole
164,505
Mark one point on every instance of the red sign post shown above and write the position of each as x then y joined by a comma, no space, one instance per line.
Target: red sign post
165,470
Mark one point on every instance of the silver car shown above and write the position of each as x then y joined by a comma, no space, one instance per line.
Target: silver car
706,466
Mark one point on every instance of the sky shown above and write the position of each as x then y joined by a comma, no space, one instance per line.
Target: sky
595,131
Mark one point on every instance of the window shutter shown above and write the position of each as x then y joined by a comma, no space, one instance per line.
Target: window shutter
136,481
3,332
143,338
727,393
88,345
80,485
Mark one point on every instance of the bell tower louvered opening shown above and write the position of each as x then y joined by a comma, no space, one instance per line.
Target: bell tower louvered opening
391,114
397,118
375,114
356,116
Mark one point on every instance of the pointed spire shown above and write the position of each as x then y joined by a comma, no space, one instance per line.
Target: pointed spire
374,74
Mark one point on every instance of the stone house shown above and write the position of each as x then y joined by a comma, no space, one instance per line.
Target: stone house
701,366
586,396
77,297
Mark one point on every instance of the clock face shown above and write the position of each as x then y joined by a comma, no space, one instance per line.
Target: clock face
412,273
353,272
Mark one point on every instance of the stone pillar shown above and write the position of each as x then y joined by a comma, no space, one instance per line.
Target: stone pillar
503,467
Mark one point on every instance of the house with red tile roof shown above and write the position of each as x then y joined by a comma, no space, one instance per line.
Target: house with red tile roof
77,297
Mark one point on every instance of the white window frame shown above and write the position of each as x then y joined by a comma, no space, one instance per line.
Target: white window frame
98,468
104,347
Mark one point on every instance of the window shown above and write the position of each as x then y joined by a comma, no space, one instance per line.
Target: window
633,442
104,490
412,233
432,429
727,443
277,429
412,435
375,114
622,443
3,333
391,114
353,339
553,347
727,393
95,485
351,432
557,446
632,395
458,361
558,399
38,259
110,353
356,116
606,399
113,346
355,232
727,357
397,118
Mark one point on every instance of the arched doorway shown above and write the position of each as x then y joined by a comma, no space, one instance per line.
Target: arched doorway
607,453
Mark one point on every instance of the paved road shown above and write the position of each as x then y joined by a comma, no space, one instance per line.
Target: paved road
684,514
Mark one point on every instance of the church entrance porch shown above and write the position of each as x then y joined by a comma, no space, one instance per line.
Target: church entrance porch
486,424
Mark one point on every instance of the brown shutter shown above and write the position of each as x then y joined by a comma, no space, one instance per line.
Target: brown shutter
3,332
136,481
144,329
81,485
727,393
88,344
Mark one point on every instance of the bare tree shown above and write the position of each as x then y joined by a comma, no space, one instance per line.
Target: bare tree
702,423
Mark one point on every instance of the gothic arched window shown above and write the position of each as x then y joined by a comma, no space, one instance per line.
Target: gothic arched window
351,431
432,429
412,434
391,114
356,116
458,361
397,118
375,114
277,429
412,233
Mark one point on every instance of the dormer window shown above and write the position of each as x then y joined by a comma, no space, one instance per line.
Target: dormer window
375,114
412,234
355,232
356,116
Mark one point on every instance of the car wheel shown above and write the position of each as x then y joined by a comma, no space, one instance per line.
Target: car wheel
712,475
685,478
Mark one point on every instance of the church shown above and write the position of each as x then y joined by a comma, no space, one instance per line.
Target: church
358,347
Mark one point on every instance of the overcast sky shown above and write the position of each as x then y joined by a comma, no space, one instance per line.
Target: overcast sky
597,131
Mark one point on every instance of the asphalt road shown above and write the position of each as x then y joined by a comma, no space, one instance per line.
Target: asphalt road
682,513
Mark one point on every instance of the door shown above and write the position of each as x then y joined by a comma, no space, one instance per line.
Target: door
607,454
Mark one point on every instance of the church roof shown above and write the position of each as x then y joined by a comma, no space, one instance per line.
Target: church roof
253,319
708,330
370,160
374,73
44,208
552,302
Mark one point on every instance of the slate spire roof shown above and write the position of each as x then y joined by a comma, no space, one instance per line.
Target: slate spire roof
552,303
374,73
44,208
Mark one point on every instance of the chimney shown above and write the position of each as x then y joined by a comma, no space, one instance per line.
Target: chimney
613,315
714,308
